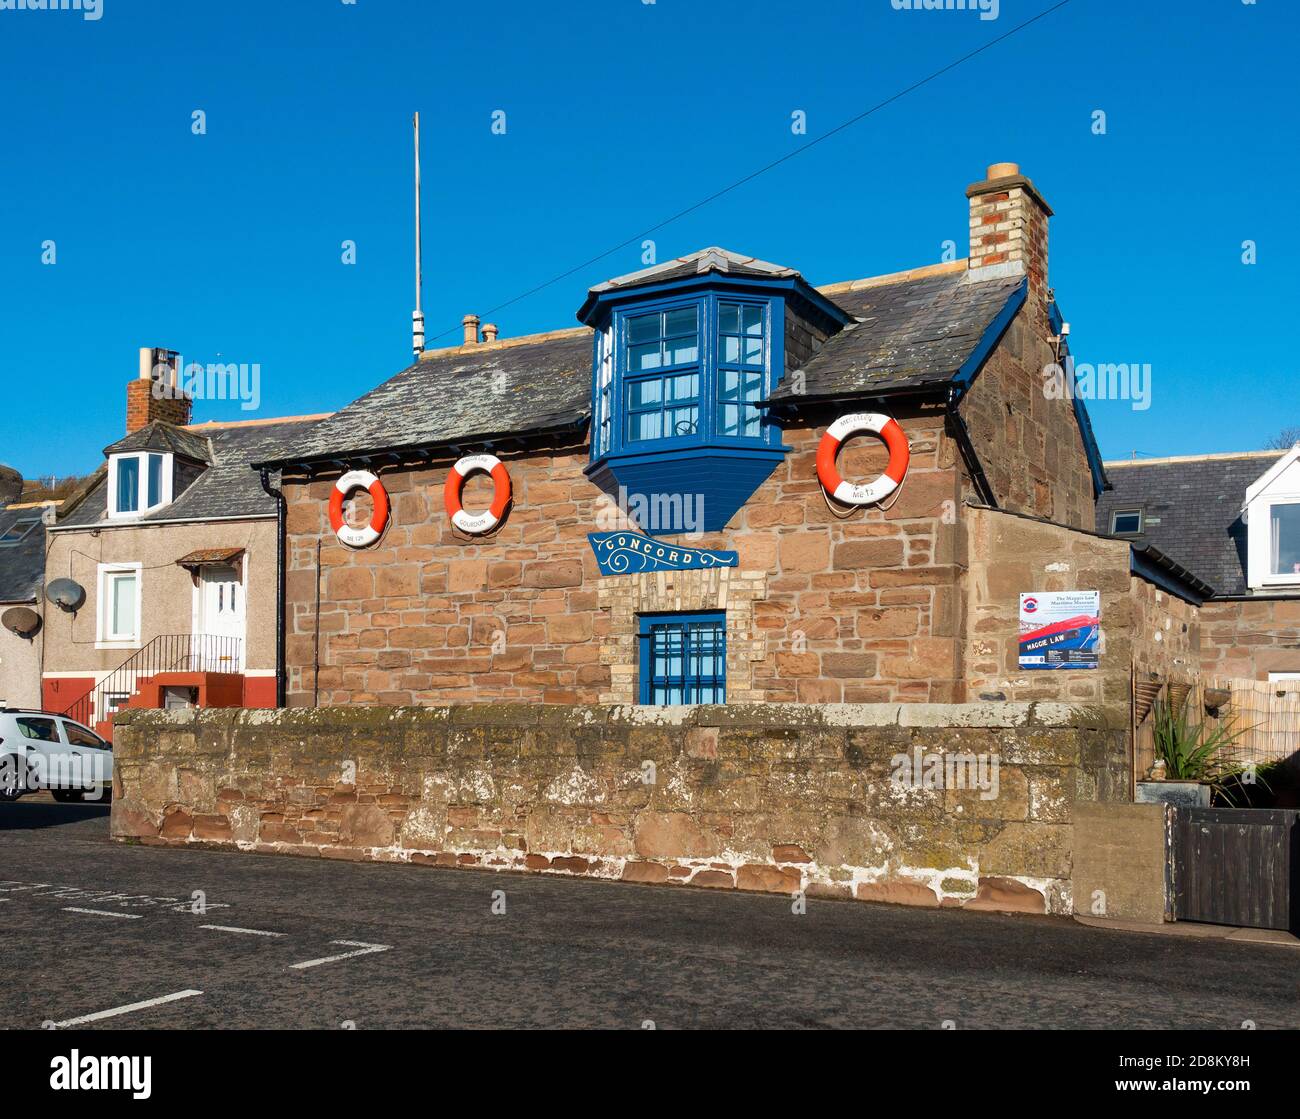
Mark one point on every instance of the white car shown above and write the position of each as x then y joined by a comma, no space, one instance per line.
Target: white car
41,750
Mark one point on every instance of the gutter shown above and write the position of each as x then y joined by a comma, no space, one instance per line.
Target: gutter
969,456
280,541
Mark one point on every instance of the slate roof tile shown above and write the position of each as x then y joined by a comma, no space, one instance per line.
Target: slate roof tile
1197,505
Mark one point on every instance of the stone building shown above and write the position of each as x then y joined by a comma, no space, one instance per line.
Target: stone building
1234,520
172,545
688,410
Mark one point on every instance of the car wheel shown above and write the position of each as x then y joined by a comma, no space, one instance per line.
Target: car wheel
67,795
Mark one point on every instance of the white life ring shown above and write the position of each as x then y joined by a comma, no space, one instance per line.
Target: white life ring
476,524
359,537
895,439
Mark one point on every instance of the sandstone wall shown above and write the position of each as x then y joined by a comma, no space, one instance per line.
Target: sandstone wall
825,610
772,797
1249,640
1007,555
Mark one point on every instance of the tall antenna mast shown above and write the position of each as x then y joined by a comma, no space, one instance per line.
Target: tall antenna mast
417,316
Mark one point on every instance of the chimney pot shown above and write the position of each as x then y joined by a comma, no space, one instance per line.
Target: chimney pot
1003,170
470,323
489,332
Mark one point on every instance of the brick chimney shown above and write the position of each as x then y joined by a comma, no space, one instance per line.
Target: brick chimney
156,393
1008,223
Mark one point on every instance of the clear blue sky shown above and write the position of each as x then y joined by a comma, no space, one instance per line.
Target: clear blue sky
619,114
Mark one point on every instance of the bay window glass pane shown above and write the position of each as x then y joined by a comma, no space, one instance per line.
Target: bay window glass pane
643,328
646,393
681,321
729,318
128,485
643,357
155,480
1284,525
752,320
731,350
644,425
682,351
122,596
753,351
683,421
685,387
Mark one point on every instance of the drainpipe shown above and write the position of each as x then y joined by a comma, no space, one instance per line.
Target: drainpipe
271,491
968,454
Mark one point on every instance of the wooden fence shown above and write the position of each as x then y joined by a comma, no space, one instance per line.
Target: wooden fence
1266,713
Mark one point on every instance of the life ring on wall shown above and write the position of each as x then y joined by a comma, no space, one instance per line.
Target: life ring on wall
476,524
895,439
359,537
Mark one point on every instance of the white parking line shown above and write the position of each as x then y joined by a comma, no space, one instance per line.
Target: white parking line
233,929
364,950
125,1009
102,912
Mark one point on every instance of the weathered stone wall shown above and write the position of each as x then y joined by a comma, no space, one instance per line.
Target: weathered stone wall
1167,634
1029,443
772,797
860,609
1009,554
1248,640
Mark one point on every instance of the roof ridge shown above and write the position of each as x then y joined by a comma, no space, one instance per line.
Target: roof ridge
214,425
506,343
943,268
1217,455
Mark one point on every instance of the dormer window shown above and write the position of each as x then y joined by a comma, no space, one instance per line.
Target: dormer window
138,484
685,354
1272,515
1284,540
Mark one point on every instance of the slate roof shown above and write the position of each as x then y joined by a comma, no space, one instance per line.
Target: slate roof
914,334
464,395
23,564
712,259
1197,504
165,437
227,488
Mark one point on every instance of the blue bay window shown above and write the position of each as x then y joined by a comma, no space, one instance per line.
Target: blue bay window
683,658
680,371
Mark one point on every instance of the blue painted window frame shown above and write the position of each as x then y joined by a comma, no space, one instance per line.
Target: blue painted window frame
691,628
612,399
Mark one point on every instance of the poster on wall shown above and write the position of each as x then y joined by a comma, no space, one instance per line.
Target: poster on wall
1060,629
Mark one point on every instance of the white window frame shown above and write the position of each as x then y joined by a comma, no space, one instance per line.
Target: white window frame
1280,485
103,638
1115,516
142,495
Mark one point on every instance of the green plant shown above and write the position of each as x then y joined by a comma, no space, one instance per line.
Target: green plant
1196,751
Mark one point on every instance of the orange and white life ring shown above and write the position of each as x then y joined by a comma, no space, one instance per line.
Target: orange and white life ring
899,453
475,524
359,537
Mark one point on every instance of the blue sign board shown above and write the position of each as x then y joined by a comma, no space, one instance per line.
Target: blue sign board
629,553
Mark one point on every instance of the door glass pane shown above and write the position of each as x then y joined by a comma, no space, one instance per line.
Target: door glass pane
128,485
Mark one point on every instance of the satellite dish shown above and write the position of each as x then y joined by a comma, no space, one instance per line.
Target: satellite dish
66,594
21,620
11,484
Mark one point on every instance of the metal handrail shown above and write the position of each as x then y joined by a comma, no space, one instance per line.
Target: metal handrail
172,652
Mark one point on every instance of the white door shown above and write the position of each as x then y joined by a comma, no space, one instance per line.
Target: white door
221,616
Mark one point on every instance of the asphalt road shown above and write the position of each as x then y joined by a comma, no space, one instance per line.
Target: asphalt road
87,926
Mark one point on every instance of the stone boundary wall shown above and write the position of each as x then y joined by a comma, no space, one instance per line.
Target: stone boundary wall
779,798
